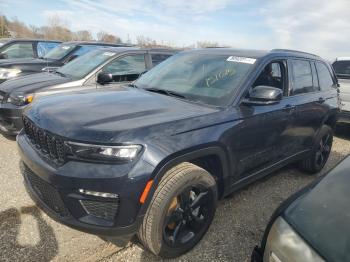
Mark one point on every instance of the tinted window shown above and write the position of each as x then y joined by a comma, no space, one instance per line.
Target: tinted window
324,76
211,78
342,68
272,75
127,65
302,77
19,50
157,58
44,47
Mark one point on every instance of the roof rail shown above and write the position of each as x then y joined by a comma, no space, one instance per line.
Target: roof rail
293,51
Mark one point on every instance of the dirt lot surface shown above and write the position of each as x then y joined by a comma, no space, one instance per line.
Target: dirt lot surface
27,234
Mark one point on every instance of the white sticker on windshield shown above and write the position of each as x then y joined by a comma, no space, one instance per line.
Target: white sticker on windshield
239,59
65,47
108,53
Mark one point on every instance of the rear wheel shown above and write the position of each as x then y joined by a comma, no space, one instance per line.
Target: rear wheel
180,212
320,153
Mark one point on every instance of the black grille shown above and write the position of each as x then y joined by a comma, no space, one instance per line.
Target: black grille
105,210
51,146
47,193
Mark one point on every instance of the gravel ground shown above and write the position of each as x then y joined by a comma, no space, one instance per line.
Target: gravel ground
28,234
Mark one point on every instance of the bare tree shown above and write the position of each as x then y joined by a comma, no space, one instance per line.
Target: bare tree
109,38
82,35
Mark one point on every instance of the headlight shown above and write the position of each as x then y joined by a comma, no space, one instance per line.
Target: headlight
20,99
104,153
284,244
6,73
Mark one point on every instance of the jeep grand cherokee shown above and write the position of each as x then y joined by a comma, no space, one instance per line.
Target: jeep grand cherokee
153,158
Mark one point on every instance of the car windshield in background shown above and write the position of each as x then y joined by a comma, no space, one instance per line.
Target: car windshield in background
206,78
59,52
342,69
82,66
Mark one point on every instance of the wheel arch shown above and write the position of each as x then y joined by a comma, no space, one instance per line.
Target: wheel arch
209,158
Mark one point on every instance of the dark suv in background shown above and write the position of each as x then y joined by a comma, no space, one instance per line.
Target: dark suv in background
52,60
153,158
12,48
95,70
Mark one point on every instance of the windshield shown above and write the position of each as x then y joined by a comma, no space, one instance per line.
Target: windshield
59,52
206,78
342,68
85,64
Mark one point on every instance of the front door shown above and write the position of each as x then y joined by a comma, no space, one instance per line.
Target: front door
263,137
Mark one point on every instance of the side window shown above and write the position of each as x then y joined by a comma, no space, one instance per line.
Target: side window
127,68
157,58
44,47
19,50
272,75
324,76
302,77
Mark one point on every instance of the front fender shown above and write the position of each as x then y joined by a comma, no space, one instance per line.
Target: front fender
187,156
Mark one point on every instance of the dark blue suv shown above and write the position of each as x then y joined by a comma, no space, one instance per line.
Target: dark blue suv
154,157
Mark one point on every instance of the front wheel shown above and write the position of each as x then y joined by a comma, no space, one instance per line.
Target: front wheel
321,151
180,212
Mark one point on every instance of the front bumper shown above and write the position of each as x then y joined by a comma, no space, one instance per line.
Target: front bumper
56,190
10,118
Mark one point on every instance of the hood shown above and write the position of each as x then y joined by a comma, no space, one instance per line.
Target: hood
33,82
102,115
22,61
322,216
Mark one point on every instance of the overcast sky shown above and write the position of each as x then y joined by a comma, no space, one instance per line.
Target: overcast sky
318,26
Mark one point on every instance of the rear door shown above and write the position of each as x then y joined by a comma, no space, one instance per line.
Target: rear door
309,100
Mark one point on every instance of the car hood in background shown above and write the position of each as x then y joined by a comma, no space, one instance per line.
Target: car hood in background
22,61
102,115
322,216
33,82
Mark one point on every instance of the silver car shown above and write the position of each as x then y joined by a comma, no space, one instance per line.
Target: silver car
342,69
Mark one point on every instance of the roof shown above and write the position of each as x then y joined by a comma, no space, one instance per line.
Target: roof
95,43
343,58
132,48
28,39
253,53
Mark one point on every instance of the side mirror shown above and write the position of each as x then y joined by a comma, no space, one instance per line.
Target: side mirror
104,78
264,95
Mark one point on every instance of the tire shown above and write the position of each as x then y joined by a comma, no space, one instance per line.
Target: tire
320,152
173,223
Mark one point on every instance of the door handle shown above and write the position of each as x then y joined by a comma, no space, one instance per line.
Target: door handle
321,100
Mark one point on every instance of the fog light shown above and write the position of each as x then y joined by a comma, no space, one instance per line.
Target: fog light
98,194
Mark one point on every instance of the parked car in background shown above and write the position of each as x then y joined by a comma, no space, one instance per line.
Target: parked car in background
154,157
13,48
312,225
342,69
52,60
96,69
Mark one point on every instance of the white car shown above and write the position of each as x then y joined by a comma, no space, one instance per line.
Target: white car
342,69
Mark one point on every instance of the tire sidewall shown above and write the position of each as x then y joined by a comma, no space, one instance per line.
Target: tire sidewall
195,177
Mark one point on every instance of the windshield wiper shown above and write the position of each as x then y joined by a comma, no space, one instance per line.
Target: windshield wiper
59,73
165,92
133,85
